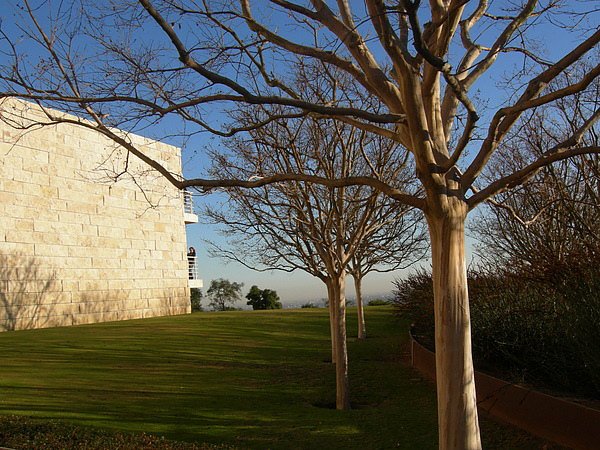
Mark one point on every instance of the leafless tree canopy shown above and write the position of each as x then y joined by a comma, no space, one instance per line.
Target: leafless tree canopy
134,64
288,226
298,225
554,220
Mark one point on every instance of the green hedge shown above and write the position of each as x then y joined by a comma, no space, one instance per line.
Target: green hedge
523,330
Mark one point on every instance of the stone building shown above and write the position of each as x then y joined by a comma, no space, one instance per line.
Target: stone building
81,240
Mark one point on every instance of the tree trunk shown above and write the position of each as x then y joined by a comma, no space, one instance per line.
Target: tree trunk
457,405
332,319
338,290
362,330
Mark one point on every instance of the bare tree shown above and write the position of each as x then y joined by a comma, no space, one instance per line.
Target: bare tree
105,62
558,220
396,244
290,226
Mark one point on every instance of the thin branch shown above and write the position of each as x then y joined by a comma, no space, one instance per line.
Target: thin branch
515,215
561,151
216,78
503,122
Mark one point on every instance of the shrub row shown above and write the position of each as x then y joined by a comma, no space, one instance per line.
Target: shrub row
523,330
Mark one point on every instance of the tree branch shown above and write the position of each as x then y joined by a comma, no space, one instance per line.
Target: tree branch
385,188
502,121
563,150
216,78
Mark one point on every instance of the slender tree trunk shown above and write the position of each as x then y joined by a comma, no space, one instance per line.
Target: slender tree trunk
332,318
457,405
362,329
338,289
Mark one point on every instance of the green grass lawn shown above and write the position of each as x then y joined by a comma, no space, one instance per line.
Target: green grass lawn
246,379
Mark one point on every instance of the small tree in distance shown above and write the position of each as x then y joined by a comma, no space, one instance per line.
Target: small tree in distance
263,298
196,299
223,292
308,305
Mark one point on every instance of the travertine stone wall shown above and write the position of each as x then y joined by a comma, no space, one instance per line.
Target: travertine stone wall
77,243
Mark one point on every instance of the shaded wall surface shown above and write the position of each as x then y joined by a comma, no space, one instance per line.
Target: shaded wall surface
81,239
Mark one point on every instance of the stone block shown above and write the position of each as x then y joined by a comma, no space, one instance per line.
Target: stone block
26,249
81,207
130,314
93,285
106,263
89,230
23,224
50,250
61,162
47,227
7,184
19,236
74,217
20,287
70,285
88,195
41,179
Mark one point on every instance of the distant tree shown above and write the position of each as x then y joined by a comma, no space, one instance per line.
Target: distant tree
309,305
196,299
378,302
221,292
254,297
263,298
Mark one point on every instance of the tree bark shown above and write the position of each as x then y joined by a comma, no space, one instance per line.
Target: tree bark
338,300
332,319
362,329
457,405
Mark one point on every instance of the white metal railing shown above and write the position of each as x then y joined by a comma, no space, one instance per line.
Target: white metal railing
188,202
193,273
